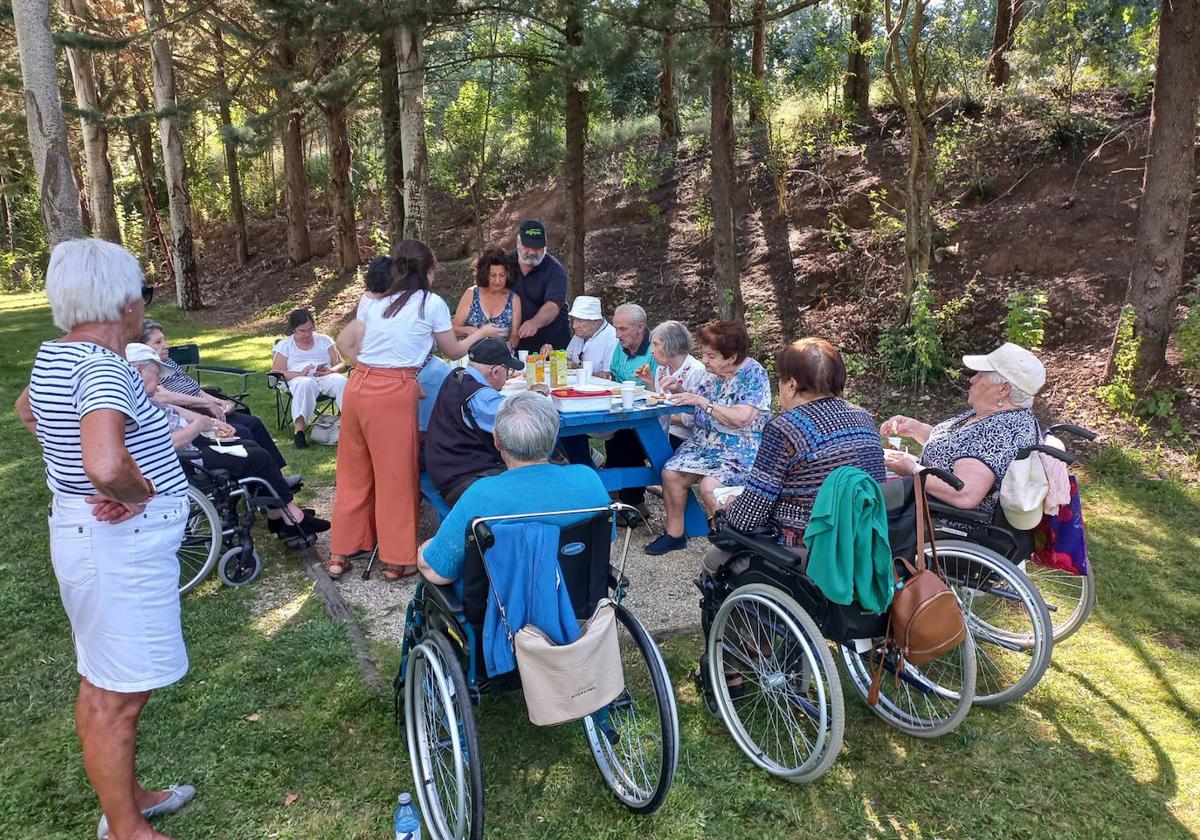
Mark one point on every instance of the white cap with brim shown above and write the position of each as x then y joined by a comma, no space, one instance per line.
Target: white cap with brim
587,308
1023,492
1014,363
138,353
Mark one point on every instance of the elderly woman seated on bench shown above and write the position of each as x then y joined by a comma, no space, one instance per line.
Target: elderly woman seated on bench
525,431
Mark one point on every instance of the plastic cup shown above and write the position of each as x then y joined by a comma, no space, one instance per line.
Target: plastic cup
585,374
523,355
628,389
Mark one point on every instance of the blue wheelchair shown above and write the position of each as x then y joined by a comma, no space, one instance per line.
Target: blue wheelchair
634,740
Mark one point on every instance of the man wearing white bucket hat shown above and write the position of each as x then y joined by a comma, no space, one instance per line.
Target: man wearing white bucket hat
977,445
594,338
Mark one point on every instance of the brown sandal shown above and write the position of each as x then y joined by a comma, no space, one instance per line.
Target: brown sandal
344,566
395,573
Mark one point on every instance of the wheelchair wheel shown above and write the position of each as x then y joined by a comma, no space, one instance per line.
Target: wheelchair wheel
1070,598
236,570
785,709
202,539
635,738
443,744
1007,617
926,701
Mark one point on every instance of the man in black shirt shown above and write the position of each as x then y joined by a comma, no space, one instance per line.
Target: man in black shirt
542,287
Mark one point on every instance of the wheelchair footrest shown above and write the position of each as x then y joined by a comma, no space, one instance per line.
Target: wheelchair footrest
299,543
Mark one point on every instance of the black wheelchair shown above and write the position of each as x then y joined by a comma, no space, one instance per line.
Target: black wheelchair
1017,609
634,740
769,674
221,513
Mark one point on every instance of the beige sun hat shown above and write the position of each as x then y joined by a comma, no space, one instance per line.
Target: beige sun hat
1014,363
587,308
138,353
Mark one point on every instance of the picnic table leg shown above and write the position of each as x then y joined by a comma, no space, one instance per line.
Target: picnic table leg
658,450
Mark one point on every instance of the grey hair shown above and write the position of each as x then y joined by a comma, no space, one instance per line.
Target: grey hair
91,280
1016,396
675,338
527,426
149,328
635,312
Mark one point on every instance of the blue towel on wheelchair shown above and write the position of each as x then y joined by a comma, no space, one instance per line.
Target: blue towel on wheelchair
525,577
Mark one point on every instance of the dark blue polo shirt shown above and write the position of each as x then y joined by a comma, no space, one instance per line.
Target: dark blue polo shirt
547,282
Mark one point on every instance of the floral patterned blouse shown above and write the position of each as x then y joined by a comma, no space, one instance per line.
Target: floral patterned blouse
720,451
995,440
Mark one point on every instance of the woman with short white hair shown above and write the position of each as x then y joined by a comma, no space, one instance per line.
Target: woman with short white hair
116,519
678,371
978,444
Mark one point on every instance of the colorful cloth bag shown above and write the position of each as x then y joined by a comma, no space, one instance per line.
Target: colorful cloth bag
1059,540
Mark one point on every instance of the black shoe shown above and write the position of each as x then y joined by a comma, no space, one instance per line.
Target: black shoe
276,526
665,543
313,524
300,440
294,481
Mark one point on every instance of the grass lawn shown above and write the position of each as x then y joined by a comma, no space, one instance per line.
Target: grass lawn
1107,746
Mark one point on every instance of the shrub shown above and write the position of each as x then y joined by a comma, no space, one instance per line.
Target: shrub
1187,337
1025,318
912,351
1118,393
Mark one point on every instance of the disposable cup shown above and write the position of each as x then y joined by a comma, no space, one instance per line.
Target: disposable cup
628,389
523,355
586,371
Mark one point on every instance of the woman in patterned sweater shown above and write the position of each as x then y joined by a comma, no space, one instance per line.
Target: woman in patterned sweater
816,433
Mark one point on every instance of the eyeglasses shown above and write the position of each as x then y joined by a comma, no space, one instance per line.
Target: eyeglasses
147,294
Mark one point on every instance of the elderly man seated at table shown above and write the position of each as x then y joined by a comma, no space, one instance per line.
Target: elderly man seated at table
593,339
459,449
525,430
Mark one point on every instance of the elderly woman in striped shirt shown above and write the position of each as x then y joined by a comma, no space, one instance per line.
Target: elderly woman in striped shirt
117,517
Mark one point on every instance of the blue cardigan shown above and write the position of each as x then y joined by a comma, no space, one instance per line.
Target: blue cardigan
523,568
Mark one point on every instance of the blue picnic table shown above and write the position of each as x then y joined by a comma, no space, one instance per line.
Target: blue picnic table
643,420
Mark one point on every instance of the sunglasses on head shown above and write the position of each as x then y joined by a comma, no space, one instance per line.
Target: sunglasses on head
147,294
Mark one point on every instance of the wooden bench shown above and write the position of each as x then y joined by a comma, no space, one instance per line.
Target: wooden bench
431,495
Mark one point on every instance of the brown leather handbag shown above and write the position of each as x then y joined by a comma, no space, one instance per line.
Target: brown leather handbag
925,620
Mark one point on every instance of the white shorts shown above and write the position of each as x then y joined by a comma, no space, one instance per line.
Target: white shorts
120,589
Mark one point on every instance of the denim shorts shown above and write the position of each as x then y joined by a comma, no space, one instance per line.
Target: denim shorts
120,589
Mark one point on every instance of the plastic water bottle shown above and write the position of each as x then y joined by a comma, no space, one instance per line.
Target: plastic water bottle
408,821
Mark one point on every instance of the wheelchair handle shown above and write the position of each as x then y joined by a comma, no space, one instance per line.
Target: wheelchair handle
1052,451
1072,429
945,475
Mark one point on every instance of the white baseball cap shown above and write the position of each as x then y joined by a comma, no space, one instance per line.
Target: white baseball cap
1023,492
1014,363
137,353
587,308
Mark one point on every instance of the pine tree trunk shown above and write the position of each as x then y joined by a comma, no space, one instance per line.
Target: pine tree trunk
725,261
573,165
341,197
101,195
295,174
47,129
758,58
918,206
668,106
1002,38
141,145
856,93
187,276
393,155
1157,275
237,209
409,36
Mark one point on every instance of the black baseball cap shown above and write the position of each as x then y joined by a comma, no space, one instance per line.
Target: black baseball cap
493,351
532,233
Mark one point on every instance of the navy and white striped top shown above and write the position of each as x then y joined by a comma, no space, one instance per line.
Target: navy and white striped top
71,379
176,379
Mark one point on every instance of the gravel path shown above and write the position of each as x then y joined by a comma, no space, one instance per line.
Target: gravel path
661,593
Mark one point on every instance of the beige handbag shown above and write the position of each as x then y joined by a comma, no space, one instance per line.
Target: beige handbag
568,682
325,430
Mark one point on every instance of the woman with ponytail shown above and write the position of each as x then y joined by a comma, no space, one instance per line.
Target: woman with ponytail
377,498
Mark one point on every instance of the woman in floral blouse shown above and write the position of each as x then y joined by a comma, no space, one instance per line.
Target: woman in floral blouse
732,405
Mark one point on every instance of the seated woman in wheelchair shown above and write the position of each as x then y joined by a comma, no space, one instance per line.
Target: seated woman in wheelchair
177,388
525,432
287,519
979,444
816,433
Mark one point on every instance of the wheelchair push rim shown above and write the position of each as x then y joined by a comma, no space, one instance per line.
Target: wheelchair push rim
787,714
1069,597
635,739
443,743
1006,615
926,701
202,541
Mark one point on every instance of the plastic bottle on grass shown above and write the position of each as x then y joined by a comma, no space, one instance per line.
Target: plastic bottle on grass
407,821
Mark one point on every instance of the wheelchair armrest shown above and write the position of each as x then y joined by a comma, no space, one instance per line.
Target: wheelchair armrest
761,541
945,511
447,596
1052,451
1072,429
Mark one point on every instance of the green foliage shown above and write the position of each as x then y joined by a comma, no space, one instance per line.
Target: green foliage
962,160
1025,318
1118,393
654,212
635,169
887,222
702,217
1187,336
1159,404
912,351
